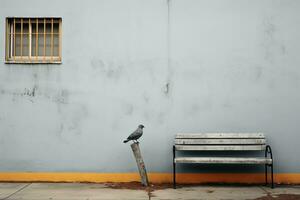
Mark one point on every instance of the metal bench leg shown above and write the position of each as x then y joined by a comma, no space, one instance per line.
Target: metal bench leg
174,175
272,176
174,169
269,151
266,174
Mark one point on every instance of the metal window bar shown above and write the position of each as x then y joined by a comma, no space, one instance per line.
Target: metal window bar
14,41
51,40
37,39
6,41
29,39
59,38
44,39
10,41
21,39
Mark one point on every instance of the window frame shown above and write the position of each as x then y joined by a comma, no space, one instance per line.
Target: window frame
10,35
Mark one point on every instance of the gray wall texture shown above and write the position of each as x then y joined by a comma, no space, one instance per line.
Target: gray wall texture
174,66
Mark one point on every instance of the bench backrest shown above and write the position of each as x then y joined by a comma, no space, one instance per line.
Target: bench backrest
220,141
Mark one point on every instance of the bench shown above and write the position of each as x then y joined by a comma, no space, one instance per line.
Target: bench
228,142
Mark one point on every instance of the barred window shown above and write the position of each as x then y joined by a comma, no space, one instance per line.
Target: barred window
33,40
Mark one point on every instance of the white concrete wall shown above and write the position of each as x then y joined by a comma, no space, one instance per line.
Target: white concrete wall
178,65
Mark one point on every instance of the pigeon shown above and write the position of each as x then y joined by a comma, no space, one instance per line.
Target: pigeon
135,135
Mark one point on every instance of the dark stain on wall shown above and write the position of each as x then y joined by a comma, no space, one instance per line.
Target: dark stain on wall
272,45
109,69
2,91
146,98
258,72
30,92
167,88
97,64
71,118
61,97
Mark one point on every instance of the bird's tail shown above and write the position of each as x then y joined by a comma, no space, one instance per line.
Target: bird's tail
125,141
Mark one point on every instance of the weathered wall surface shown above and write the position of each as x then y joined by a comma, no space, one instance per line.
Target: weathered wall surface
197,66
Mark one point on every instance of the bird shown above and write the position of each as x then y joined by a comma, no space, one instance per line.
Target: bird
135,135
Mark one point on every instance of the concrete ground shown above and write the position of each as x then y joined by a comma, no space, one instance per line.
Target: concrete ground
74,191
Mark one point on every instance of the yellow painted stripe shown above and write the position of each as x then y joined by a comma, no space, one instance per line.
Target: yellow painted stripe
281,178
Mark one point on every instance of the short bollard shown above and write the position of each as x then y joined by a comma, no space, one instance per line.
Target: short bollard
140,163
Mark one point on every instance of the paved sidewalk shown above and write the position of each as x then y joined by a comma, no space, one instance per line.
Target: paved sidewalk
74,191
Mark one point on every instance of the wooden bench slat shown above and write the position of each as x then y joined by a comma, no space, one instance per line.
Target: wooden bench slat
223,160
220,141
220,135
220,147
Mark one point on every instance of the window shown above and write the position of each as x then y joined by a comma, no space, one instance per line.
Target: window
33,40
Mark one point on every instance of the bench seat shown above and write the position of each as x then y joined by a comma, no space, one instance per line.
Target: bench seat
220,147
223,160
